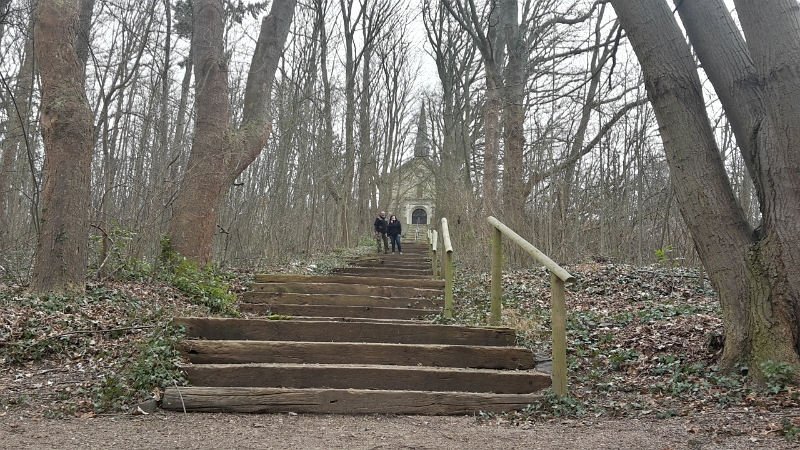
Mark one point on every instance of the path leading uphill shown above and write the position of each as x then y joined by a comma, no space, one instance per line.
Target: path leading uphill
357,342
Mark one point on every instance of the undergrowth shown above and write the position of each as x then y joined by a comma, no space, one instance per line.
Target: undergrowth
205,285
640,342
153,368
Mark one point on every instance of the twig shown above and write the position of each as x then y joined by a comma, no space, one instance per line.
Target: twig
102,331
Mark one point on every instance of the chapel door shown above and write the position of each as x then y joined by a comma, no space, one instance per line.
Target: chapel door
419,216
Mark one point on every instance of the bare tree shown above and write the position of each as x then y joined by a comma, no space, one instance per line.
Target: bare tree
220,154
754,271
455,55
19,140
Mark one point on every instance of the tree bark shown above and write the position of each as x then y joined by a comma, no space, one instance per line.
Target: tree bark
220,154
746,267
67,128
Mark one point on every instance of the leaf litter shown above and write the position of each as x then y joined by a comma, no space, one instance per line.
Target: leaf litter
642,344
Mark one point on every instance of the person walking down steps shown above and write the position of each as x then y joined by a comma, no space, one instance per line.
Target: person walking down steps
381,226
394,231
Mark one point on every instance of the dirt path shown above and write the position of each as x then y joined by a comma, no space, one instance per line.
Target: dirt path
164,430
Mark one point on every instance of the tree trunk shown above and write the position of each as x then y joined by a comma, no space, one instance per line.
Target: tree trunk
17,130
62,251
219,154
515,77
492,145
748,269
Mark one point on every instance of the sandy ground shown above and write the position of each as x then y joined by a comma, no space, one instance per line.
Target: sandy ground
167,430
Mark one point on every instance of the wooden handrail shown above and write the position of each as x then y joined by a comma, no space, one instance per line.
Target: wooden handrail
558,277
533,251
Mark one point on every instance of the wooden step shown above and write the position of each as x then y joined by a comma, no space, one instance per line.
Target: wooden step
330,311
360,376
392,264
276,298
349,289
200,351
368,271
349,279
313,331
339,401
421,256
389,273
353,319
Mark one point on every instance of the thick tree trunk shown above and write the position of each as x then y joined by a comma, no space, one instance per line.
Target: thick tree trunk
67,129
773,38
746,268
219,155
197,205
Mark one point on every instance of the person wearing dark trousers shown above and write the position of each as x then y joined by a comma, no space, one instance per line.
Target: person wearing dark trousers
394,230
381,226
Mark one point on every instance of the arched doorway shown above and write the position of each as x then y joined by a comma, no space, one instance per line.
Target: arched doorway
419,216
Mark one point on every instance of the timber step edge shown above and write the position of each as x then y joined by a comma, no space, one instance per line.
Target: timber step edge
349,289
277,298
361,376
328,311
349,279
395,271
200,351
394,275
320,331
381,264
339,401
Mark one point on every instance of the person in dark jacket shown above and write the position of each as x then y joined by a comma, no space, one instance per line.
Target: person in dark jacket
381,226
395,229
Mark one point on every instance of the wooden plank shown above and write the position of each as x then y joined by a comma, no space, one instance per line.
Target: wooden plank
200,351
389,265
396,272
349,319
349,289
359,376
277,298
313,331
416,263
349,279
406,258
389,273
373,312
339,401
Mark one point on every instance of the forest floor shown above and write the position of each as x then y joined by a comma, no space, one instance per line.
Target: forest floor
642,348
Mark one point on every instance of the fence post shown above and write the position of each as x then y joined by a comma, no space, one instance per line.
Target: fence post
434,258
448,270
559,323
430,243
497,275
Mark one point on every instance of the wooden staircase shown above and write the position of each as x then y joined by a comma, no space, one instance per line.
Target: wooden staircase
353,343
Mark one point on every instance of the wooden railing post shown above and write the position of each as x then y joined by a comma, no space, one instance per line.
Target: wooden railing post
497,276
430,243
558,277
558,319
434,260
448,270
